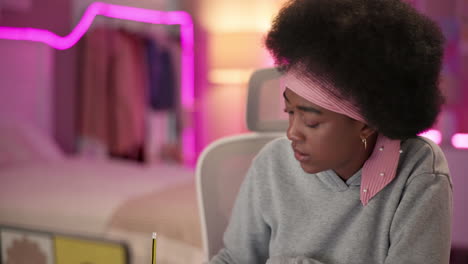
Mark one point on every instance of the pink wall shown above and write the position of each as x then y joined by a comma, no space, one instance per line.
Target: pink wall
26,92
53,15
454,84
451,15
458,167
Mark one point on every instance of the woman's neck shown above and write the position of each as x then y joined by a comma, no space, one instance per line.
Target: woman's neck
356,163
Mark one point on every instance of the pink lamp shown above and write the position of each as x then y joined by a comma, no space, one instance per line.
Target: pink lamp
460,141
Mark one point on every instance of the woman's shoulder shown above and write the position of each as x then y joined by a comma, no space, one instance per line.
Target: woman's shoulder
277,152
277,148
422,156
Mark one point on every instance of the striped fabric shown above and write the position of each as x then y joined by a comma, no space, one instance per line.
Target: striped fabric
380,169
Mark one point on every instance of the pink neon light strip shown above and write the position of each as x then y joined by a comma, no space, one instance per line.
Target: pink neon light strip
460,141
128,13
433,135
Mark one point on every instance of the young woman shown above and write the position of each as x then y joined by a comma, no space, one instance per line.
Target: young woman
352,183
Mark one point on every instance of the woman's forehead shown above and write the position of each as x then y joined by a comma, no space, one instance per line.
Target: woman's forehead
306,106
293,98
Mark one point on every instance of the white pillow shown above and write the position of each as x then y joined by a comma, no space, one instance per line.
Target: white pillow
20,142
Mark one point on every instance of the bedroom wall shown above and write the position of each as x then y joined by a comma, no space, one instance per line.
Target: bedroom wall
26,93
55,16
234,51
458,167
452,16
80,5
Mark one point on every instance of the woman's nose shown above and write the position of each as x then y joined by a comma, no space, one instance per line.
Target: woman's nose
292,133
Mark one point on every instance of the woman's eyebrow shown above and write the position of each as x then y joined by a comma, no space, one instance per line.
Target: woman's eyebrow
304,108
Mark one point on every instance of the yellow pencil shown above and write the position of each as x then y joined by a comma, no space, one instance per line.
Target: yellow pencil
153,255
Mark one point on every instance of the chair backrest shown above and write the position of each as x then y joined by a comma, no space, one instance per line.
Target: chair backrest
220,171
223,164
265,102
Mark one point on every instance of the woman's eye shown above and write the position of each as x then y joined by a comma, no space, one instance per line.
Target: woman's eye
315,125
289,112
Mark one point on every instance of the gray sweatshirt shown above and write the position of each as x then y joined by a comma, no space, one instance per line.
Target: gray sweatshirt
285,215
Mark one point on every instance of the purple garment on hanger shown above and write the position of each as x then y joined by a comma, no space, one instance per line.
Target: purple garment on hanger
162,93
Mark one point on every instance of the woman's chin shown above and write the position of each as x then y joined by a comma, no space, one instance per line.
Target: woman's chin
309,168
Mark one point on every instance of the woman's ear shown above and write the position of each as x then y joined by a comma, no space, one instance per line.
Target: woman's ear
367,131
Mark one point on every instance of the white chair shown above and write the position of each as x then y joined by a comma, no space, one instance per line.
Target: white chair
223,164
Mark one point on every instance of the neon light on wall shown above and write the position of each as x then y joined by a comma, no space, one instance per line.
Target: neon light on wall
460,141
433,135
135,14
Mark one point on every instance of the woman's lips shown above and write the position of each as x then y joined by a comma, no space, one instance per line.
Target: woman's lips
300,156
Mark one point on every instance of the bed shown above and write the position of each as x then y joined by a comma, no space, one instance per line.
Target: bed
42,189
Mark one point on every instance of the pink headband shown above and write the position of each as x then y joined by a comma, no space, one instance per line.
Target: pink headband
380,169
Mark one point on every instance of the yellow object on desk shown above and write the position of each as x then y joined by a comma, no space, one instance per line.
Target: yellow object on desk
76,250
153,255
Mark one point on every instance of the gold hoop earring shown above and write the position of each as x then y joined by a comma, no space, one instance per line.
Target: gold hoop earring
364,141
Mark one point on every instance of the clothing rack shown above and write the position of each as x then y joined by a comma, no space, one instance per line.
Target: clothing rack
159,124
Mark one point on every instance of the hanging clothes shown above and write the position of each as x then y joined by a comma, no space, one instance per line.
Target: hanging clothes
163,128
93,127
162,87
129,90
113,100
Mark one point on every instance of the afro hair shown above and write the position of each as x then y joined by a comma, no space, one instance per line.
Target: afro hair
382,54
